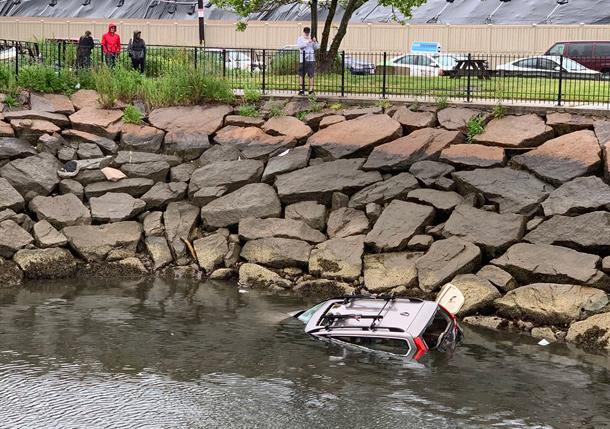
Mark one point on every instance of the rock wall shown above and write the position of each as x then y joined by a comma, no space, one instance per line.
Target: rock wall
342,201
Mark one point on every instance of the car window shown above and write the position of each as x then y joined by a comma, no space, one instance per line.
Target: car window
528,63
602,50
572,65
546,64
407,59
446,61
387,345
557,49
581,50
424,61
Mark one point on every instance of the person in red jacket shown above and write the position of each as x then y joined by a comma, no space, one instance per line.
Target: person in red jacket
111,45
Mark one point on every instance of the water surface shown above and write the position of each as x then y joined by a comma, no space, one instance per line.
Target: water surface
160,354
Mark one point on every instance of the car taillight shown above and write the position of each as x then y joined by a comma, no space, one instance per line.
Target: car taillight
422,348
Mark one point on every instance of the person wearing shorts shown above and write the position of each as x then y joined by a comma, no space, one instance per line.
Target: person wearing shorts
307,59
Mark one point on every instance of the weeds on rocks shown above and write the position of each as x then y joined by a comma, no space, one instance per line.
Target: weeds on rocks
252,95
474,127
499,111
383,104
10,100
131,115
248,110
276,109
336,106
442,103
46,79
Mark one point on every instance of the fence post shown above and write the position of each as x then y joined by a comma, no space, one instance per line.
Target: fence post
16,61
264,69
224,63
302,66
468,73
560,89
342,73
59,55
195,57
383,88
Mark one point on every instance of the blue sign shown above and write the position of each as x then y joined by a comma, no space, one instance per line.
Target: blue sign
425,47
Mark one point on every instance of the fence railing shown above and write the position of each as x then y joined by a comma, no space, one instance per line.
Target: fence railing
438,77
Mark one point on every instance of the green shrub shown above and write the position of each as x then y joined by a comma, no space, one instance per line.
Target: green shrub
336,106
105,86
383,104
131,115
442,103
252,95
474,127
10,100
127,83
248,110
217,89
499,111
46,79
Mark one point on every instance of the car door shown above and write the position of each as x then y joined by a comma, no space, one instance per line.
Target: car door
548,67
601,54
582,52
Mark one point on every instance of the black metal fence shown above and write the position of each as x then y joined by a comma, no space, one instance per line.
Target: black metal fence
437,77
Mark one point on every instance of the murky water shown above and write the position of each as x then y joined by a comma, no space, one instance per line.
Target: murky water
184,355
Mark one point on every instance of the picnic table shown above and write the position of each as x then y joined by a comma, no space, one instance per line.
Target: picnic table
474,67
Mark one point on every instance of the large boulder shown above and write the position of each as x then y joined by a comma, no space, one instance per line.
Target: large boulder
46,235
11,147
493,232
60,120
159,251
513,191
197,119
243,121
456,118
386,271
318,182
219,153
115,207
562,159
211,251
420,145
356,112
6,130
577,196
602,131
32,129
106,123
70,186
253,229
530,263
428,172
136,187
564,123
444,260
474,156
188,145
9,197
323,288
180,219
35,175
182,172
129,157
46,263
257,277
515,132
287,126
478,293
85,98
232,174
347,221
12,238
551,304
141,138
253,200
589,232
398,222
338,258
96,243
208,194
156,170
593,333
355,136
443,201
53,103
396,187
497,277
252,142
310,212
289,160
10,274
277,252
161,194
60,211
411,120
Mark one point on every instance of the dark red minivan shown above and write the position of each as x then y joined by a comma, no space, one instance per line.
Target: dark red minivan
594,55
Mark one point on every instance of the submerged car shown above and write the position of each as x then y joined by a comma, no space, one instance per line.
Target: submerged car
547,66
405,327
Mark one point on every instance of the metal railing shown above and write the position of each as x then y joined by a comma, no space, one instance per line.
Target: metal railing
428,77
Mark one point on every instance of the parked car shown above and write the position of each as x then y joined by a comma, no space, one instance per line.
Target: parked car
405,327
547,66
359,67
235,59
426,64
594,55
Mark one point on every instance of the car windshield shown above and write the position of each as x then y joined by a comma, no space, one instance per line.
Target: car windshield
446,61
569,64
306,315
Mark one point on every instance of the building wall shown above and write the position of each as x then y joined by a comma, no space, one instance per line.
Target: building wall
272,34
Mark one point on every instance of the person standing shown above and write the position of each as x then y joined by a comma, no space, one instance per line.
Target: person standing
307,59
137,51
83,51
111,45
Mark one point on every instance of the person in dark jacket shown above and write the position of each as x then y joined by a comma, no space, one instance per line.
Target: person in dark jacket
137,51
83,51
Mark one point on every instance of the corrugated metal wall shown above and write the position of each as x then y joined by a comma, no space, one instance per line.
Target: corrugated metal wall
359,38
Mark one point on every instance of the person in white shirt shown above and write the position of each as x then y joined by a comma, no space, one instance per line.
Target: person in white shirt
307,58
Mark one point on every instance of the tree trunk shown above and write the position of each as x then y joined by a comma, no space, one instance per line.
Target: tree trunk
314,18
328,25
329,56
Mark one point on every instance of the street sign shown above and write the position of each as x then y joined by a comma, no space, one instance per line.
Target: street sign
425,47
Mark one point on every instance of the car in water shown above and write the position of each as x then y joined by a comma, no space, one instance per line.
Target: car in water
547,66
423,65
400,327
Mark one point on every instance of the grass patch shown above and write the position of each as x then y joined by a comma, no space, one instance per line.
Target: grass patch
442,102
499,111
474,127
47,80
252,95
131,115
249,110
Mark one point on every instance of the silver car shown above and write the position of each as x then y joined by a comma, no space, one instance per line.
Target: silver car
406,327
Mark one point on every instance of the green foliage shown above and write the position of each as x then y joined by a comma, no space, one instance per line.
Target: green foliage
284,63
442,103
301,115
248,110
241,26
8,83
315,106
499,111
252,95
131,115
276,109
105,86
46,79
383,104
474,127
336,106
10,100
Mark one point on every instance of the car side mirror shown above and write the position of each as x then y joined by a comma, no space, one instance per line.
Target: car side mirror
436,66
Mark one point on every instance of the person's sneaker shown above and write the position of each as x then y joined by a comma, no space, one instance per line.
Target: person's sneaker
301,92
